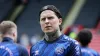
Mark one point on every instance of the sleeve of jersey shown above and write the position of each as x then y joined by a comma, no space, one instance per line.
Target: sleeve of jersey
23,51
74,49
32,50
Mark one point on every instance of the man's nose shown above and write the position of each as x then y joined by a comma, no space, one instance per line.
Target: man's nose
46,20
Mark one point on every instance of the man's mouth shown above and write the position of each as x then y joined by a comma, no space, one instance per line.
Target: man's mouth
47,26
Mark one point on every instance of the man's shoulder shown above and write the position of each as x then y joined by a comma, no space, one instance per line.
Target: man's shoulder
9,48
69,40
7,44
94,51
19,46
37,45
41,42
89,51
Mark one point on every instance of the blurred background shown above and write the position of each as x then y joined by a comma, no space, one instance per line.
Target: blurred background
77,15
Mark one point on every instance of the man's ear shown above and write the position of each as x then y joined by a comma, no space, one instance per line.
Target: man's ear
60,21
14,34
14,37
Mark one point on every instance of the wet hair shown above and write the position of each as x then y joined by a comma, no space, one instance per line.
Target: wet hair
52,8
84,37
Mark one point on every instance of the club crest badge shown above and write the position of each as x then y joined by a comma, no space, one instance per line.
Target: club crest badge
59,50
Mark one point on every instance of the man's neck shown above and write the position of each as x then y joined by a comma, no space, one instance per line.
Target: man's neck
52,36
8,36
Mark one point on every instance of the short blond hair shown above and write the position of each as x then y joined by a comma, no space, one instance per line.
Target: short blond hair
6,26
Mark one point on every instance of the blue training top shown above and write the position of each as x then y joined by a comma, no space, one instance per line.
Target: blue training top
63,46
9,48
88,52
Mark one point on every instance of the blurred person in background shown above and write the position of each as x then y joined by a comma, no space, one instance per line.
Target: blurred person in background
24,40
34,39
84,37
8,30
54,43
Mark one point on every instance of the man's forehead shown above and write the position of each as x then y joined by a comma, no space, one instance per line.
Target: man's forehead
46,16
47,13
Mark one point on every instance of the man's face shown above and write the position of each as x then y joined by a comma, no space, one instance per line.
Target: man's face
49,21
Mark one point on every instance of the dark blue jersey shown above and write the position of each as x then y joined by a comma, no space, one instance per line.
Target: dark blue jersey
9,48
63,46
88,52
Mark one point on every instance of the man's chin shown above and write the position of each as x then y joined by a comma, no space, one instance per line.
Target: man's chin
49,32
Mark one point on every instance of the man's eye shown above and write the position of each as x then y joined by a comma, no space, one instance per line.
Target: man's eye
42,19
50,17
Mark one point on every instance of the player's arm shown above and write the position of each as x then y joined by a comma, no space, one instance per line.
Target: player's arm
23,51
32,50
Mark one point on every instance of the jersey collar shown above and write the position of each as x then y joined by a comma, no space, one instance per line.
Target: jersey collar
7,39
